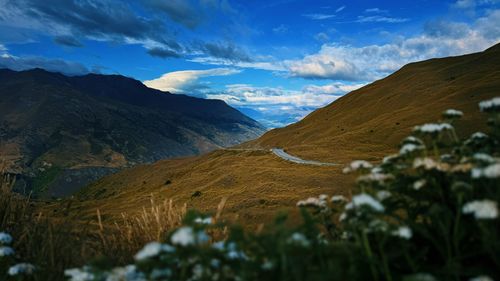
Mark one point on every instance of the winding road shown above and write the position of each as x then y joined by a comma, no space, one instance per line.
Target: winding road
283,155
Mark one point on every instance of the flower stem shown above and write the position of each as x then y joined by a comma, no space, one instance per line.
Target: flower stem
369,253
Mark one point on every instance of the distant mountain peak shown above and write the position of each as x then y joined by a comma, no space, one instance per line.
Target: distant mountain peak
106,121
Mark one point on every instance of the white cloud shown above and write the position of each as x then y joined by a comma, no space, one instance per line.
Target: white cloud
345,62
379,18
180,81
318,16
467,4
322,37
375,10
264,65
332,89
281,106
281,29
339,9
50,64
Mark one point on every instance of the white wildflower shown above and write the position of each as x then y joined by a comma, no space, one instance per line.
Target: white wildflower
377,226
345,235
219,245
482,278
429,164
197,272
364,199
492,172
357,165
490,105
375,177
481,209
342,216
452,113
207,220
77,274
483,157
338,199
152,250
403,232
299,239
412,140
158,274
383,194
419,184
389,159
312,202
233,252
186,236
446,157
5,238
236,255
215,263
267,265
21,269
6,251
478,136
128,273
433,128
409,148
323,197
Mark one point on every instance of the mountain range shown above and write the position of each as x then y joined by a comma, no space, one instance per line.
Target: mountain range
367,124
57,133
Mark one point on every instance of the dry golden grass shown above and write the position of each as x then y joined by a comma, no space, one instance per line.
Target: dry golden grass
369,122
365,124
54,243
129,233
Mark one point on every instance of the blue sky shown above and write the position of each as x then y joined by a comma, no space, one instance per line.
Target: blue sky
275,60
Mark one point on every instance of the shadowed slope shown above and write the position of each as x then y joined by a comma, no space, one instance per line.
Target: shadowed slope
62,131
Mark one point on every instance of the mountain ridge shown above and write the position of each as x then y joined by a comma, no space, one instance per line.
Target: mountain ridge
91,121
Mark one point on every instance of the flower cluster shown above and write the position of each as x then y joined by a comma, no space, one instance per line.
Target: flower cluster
433,204
428,212
9,270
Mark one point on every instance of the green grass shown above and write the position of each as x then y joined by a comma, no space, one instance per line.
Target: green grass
44,179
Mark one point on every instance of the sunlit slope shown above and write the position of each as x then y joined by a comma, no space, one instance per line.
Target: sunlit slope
368,122
365,124
256,183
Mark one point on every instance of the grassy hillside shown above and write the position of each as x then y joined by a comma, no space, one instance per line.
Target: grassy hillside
368,122
94,124
365,124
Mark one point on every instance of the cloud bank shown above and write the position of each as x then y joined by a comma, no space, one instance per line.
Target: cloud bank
439,39
186,81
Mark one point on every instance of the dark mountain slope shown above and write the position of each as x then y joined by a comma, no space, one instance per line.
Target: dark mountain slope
50,123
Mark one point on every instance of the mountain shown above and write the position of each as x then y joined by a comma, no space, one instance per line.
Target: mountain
365,124
369,122
59,132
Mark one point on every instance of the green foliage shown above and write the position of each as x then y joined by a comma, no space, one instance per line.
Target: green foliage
45,178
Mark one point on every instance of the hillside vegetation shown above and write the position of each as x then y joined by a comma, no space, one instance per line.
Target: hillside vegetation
365,124
84,127
368,122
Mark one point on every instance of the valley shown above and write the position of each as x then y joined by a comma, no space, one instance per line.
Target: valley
365,124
